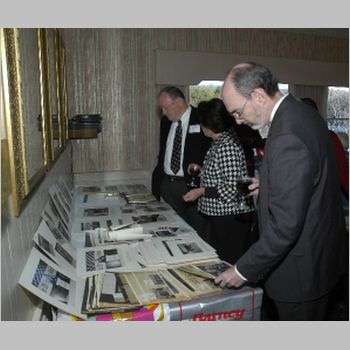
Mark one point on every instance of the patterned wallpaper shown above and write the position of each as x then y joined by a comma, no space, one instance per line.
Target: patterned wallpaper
112,72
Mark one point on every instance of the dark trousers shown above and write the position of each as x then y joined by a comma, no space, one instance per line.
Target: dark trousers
231,235
314,310
172,192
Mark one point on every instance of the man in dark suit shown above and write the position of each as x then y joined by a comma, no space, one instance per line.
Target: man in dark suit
179,131
302,249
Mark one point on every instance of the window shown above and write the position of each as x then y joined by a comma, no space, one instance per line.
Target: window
204,91
208,89
338,109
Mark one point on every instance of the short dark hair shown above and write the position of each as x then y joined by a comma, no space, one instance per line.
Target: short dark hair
309,101
214,115
250,76
173,92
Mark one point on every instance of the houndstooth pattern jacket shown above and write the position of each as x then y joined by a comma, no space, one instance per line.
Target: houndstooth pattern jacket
223,164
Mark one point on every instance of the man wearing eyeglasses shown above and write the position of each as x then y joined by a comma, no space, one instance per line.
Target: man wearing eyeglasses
302,250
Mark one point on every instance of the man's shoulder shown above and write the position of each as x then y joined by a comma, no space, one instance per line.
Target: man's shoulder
194,117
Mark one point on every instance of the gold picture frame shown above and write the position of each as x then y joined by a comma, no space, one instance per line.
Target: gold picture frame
62,86
23,70
52,94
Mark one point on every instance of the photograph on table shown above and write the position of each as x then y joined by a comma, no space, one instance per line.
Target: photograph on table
57,202
116,258
65,190
115,291
152,208
55,223
195,285
88,189
140,198
52,283
209,269
63,254
184,249
80,225
98,198
63,199
55,214
156,287
150,218
170,231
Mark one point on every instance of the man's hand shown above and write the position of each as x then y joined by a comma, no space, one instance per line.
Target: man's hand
192,195
229,278
254,187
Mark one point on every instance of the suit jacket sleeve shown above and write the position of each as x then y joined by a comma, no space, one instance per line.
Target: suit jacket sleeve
287,193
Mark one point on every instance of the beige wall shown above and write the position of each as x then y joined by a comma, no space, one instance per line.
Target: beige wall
16,242
113,72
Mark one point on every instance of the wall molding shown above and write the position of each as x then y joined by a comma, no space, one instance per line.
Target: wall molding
190,67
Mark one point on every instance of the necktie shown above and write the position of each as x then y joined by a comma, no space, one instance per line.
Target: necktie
176,154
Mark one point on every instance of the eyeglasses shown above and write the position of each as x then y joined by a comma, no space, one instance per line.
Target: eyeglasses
239,113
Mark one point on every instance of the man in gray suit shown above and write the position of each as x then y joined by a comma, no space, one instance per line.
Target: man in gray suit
302,249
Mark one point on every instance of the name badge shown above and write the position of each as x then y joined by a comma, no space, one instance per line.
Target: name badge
194,129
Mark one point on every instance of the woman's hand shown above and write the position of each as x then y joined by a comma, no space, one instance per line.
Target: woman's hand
193,195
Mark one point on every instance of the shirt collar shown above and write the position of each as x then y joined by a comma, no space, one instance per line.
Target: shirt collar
186,116
264,131
275,107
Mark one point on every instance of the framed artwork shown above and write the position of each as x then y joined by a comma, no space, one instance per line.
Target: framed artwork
51,77
62,86
25,111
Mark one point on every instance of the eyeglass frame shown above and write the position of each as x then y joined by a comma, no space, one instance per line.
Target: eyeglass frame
238,114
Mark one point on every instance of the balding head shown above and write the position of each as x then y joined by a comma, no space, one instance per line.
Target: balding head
248,76
249,93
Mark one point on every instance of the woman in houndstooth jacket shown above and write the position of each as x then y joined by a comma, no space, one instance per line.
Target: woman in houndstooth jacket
230,214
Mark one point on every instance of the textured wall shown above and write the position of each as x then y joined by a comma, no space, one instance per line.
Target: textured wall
16,243
112,72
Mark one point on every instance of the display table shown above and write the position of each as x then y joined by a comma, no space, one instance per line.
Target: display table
226,305
109,251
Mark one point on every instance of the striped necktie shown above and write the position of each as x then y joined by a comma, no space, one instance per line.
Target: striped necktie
176,154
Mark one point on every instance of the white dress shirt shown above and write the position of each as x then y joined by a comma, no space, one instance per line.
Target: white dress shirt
185,118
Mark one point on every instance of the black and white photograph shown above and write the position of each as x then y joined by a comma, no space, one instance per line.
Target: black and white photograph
145,219
63,231
45,244
153,208
169,231
114,290
214,269
65,191
128,210
189,248
57,249
96,212
102,260
90,225
51,282
90,188
65,255
59,207
106,257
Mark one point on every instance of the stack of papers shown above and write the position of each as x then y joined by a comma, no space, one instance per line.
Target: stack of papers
113,255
